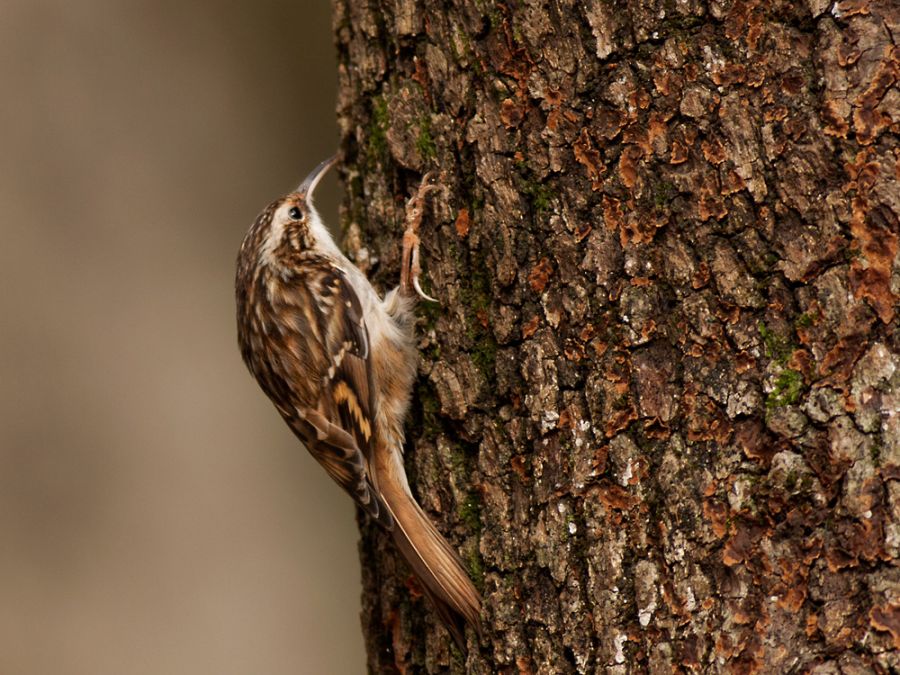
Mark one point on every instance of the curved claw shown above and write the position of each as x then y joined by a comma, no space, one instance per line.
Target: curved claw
422,294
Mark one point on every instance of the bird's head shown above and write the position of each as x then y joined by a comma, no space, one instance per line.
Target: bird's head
290,224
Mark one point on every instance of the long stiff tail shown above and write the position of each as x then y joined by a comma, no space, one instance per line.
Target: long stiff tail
433,561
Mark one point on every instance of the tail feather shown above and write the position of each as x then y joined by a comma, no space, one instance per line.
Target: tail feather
433,561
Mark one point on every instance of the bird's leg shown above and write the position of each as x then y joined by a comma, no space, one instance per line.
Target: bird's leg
410,269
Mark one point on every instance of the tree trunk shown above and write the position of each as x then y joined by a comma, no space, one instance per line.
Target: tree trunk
658,410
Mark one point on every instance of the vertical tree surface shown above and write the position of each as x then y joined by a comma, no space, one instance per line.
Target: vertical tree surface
658,410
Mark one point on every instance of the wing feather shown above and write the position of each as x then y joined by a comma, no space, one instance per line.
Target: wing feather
337,452
340,430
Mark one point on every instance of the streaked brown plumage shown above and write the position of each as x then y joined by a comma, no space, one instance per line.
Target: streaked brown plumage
338,362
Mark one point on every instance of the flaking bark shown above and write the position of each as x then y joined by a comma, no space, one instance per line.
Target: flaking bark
658,406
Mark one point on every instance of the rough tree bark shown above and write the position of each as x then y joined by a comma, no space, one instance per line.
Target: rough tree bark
659,403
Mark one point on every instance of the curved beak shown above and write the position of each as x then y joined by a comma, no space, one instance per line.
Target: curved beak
309,184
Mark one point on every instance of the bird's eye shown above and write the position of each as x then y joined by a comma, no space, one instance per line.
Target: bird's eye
294,213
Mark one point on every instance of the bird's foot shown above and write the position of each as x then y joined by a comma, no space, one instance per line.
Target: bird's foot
415,210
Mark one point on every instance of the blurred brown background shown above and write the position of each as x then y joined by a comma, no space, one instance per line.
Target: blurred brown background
156,516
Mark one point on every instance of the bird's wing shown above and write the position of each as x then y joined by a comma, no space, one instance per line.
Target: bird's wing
341,428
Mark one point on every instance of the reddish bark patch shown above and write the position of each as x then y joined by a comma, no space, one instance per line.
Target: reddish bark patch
838,363
717,515
834,118
619,420
875,232
713,150
711,205
615,497
887,618
679,154
848,8
628,166
738,548
421,76
511,113
540,275
589,158
463,223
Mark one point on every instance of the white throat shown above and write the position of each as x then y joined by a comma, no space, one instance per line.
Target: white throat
319,234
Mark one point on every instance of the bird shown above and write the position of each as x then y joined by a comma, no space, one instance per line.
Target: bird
338,361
